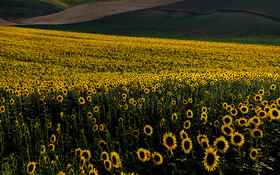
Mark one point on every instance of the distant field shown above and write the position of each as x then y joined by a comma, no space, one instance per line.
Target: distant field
110,54
80,103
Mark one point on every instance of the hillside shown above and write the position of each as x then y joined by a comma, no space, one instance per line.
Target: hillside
230,17
12,9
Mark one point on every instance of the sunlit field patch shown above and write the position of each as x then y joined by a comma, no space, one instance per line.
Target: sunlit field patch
95,104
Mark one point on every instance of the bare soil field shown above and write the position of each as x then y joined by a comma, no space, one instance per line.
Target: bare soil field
87,12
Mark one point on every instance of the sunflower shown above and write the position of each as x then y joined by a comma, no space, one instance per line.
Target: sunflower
225,105
227,120
237,139
78,152
101,144
43,149
148,130
51,147
141,153
49,125
93,172
227,130
262,114
157,158
89,114
242,121
82,100
31,167
53,138
216,123
101,127
187,145
257,133
210,159
120,120
169,140
89,98
200,137
2,109
93,120
204,143
258,97
86,155
73,116
162,122
174,117
82,163
90,166
183,134
187,124
252,125
204,120
256,120
59,98
244,109
254,154
221,144
274,113
95,127
204,109
233,112
135,133
277,101
104,156
115,159
170,153
96,109
189,113
12,102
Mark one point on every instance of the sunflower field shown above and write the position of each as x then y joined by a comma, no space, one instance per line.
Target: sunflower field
73,103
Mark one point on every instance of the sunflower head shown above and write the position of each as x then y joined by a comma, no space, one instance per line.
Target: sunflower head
211,159
169,140
108,165
78,152
187,145
102,144
200,137
104,156
135,133
189,113
86,155
31,167
157,158
174,117
148,130
227,120
227,130
237,139
254,154
187,124
204,143
257,133
115,159
221,144
141,153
